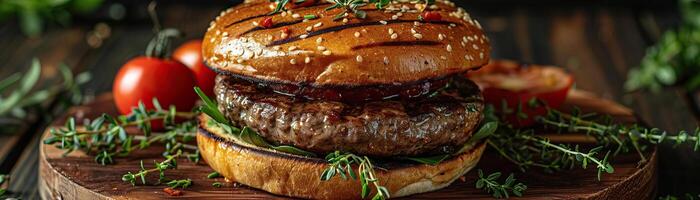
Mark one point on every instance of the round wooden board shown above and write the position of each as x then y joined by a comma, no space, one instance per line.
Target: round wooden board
77,176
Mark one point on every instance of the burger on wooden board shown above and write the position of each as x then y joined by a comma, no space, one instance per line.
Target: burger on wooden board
383,85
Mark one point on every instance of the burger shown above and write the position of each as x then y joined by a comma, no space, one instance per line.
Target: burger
343,99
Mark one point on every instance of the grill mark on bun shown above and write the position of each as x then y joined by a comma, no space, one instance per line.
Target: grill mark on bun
345,26
276,25
397,43
268,14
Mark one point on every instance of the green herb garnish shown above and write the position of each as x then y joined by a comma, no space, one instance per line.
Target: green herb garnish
341,164
491,185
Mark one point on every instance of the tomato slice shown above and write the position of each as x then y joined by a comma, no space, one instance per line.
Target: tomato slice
521,92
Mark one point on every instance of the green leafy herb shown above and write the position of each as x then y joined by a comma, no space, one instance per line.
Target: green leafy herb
430,160
674,57
22,97
491,185
169,163
33,15
4,178
217,184
280,6
183,183
106,136
213,175
340,164
310,16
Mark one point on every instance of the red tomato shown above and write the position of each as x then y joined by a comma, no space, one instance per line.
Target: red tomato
190,54
431,16
144,78
266,22
516,86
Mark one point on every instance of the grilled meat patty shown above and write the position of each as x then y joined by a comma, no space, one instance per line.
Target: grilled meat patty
441,123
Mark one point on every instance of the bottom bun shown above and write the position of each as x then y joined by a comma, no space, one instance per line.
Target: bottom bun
298,176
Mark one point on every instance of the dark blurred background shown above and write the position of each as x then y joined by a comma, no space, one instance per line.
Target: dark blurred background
598,41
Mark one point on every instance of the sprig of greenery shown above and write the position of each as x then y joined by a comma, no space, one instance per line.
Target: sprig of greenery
106,136
22,96
622,137
491,185
3,179
525,149
170,162
34,14
674,59
341,164
182,183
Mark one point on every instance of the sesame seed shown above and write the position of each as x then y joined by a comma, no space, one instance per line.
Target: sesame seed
441,36
292,48
443,57
475,47
399,14
383,22
309,28
416,23
303,36
394,36
449,48
414,31
359,58
453,24
434,7
418,36
394,17
284,35
284,14
345,20
305,20
386,60
391,31
465,39
218,32
319,40
307,60
272,6
318,24
327,52
295,15
255,23
477,24
321,48
293,61
466,57
357,34
464,44
224,34
481,55
364,30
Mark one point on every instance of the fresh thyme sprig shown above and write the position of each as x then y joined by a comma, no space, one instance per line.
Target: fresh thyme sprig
106,136
170,162
623,137
341,164
525,149
491,185
182,183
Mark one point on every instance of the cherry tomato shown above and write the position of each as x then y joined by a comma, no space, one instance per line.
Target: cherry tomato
431,16
521,93
266,22
190,54
144,78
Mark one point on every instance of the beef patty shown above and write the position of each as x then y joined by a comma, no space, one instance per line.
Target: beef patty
441,123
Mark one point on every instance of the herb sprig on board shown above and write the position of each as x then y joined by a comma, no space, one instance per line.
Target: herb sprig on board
491,185
341,164
19,93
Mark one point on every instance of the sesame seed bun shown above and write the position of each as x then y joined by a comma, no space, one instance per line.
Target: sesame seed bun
390,46
297,176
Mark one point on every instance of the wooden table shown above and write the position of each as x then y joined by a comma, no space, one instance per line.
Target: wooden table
597,43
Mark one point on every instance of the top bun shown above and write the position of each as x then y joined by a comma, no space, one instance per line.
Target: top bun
390,46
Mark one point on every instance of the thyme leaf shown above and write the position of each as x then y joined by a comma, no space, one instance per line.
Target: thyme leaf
491,185
341,164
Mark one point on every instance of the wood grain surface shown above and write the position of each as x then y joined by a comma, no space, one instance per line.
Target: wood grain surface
77,176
